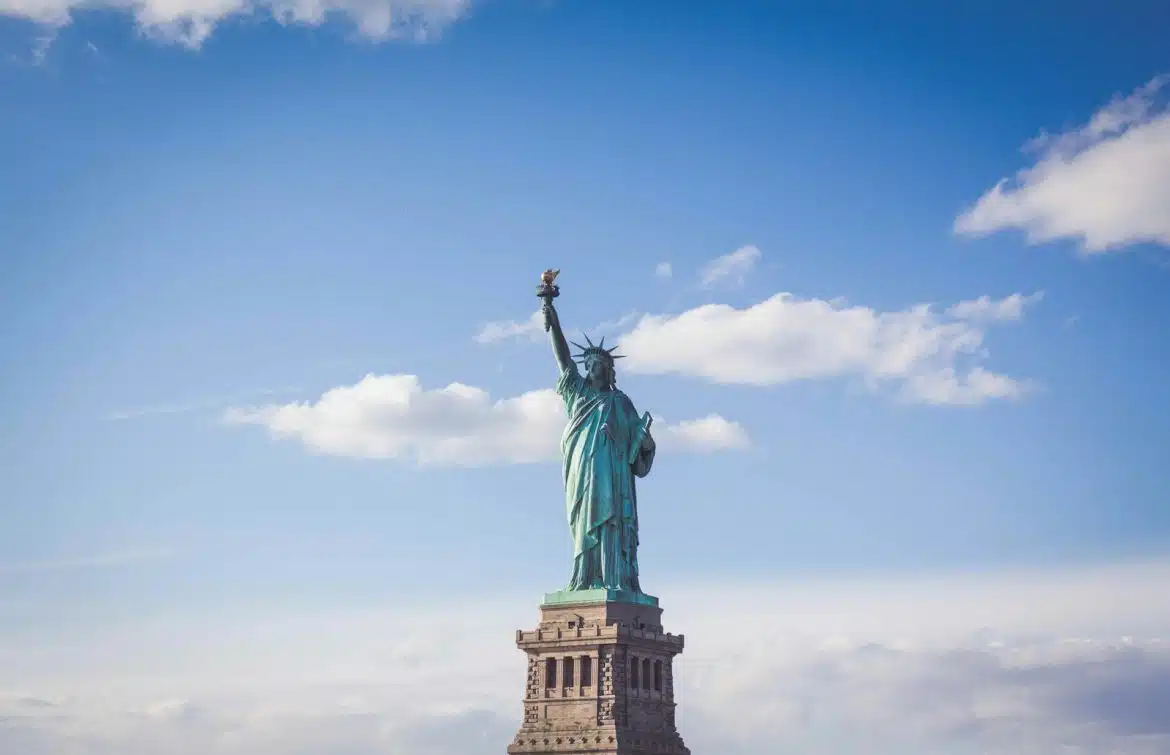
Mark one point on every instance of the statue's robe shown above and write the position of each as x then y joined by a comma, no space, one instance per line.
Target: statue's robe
597,446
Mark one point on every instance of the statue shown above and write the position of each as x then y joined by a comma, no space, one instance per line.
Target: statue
604,447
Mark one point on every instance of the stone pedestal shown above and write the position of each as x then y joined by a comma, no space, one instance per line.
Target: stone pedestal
600,677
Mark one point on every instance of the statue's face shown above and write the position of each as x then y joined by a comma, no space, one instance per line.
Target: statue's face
597,371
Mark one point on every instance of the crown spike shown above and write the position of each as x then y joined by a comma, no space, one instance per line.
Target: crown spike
579,346
601,343
588,341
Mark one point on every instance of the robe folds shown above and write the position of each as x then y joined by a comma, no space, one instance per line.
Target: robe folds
600,495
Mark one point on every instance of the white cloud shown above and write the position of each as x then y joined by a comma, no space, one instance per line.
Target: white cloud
784,339
394,417
1017,663
40,51
710,433
532,329
945,387
184,407
985,309
1106,184
730,268
191,22
502,330
663,270
612,326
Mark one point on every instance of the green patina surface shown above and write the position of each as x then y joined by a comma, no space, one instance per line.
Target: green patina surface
605,447
598,595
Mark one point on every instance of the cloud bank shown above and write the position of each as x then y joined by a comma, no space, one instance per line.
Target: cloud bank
785,338
395,417
1023,663
191,22
1105,184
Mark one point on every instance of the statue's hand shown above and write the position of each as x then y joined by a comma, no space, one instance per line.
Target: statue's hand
648,444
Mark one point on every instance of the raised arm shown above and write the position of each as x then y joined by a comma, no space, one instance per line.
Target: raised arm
552,323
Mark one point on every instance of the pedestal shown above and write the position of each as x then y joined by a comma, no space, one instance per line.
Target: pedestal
600,677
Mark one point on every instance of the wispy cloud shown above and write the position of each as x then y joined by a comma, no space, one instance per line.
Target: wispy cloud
496,331
986,309
148,411
42,46
190,22
532,329
38,52
97,561
663,270
731,268
607,327
206,404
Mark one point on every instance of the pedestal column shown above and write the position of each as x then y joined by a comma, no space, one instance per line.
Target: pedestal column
600,677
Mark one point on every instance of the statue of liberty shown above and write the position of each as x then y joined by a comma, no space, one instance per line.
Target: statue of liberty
604,447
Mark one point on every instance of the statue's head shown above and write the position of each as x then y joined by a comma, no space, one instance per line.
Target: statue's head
598,362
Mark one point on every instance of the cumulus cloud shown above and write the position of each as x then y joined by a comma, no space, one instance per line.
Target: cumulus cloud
1105,184
731,268
1019,663
711,433
785,338
191,22
394,417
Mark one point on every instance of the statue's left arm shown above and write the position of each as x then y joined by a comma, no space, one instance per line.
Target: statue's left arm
645,458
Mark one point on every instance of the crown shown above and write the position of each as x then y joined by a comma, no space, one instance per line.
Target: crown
597,352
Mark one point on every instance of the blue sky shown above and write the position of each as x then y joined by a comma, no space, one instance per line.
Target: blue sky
226,242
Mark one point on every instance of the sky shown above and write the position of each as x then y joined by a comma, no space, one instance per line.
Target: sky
278,457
